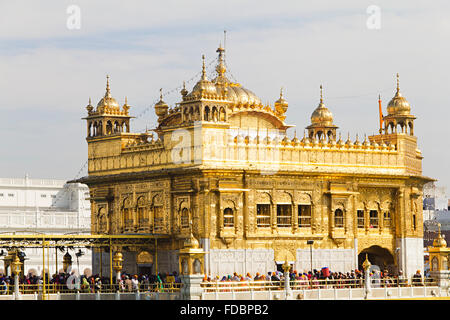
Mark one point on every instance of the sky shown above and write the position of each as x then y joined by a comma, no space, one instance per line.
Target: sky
53,58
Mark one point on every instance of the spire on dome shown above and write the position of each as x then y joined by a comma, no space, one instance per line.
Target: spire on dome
220,68
321,95
203,68
108,90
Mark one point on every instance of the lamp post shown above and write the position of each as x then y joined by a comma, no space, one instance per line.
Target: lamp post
117,264
366,265
310,243
78,255
67,262
16,268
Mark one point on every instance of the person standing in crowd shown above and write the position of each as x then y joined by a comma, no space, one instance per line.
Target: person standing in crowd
135,283
417,279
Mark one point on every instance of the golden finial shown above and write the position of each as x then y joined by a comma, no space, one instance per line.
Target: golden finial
108,91
90,101
398,82
281,93
203,68
160,94
183,91
321,94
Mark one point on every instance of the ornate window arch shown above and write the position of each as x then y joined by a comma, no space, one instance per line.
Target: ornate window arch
228,217
142,213
127,214
102,226
184,218
338,218
206,114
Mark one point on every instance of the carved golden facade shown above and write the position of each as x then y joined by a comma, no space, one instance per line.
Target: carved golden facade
223,162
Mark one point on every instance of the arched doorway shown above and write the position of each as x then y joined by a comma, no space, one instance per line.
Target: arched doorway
144,262
378,256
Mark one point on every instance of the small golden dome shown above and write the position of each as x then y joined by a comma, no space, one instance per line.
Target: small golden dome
191,242
108,100
281,105
398,104
322,115
161,107
204,86
89,107
439,242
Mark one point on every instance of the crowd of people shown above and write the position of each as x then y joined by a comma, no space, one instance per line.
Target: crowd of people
93,283
164,281
322,277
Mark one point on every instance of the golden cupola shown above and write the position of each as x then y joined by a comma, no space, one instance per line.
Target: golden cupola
439,242
398,104
322,122
107,103
204,87
322,115
281,105
161,108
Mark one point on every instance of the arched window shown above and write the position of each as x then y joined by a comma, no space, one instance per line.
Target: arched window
284,215
100,129
142,214
127,215
109,127
319,135
184,218
197,266
360,218
304,216
373,218
191,114
214,113
116,127
206,114
339,218
434,264
95,129
197,114
228,217
263,215
222,114
387,219
103,222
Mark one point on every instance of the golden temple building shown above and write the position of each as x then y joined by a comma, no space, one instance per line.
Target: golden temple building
222,165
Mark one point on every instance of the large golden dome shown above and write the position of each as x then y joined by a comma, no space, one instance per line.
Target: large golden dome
241,95
222,86
398,104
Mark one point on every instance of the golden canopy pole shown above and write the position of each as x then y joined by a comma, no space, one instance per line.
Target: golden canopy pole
43,269
56,260
156,256
101,262
110,262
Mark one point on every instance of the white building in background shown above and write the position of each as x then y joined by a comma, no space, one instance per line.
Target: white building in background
435,201
29,206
